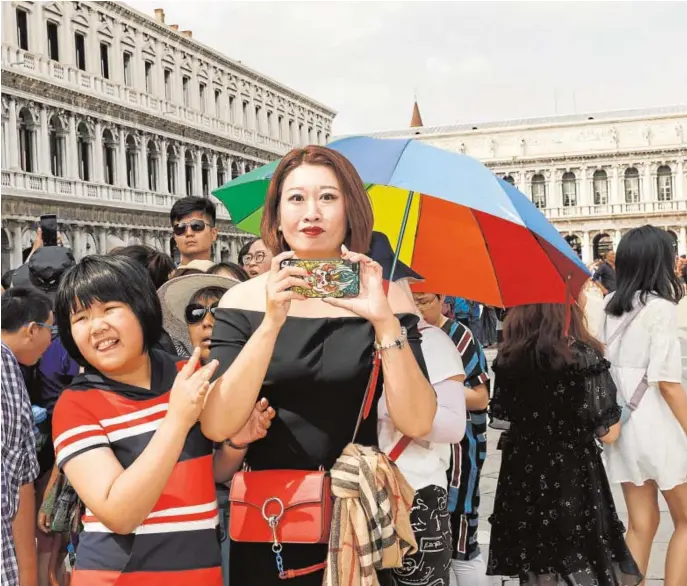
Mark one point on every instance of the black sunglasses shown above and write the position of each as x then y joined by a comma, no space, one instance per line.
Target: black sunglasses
195,313
195,225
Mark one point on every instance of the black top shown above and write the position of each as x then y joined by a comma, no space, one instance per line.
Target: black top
554,511
316,382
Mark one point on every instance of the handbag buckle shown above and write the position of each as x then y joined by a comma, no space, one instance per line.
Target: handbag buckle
273,521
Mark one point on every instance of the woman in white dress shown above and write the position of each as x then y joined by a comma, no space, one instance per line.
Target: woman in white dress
651,453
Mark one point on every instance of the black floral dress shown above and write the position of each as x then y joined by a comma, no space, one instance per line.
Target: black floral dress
554,519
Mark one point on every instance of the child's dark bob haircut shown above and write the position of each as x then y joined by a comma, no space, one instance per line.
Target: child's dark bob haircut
107,278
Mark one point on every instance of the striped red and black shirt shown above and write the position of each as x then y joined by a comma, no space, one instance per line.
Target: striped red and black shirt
178,543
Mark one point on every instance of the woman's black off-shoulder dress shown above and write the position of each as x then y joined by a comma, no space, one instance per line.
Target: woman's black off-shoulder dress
316,382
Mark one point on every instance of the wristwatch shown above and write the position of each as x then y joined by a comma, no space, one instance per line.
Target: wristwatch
399,342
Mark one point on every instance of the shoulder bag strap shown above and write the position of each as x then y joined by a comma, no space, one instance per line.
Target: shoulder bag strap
368,400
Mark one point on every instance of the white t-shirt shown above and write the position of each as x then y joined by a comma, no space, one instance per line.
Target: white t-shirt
424,463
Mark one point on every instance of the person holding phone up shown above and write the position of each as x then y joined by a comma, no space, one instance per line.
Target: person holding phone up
311,357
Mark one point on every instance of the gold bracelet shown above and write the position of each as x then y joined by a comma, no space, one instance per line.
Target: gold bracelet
399,342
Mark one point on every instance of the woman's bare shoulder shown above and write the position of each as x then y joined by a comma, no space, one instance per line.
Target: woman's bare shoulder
247,295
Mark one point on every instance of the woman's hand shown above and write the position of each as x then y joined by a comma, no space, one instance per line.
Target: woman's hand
372,303
257,425
279,283
187,398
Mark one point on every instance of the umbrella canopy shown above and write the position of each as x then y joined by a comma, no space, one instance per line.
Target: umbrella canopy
467,232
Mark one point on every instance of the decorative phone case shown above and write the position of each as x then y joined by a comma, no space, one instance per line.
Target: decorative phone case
328,278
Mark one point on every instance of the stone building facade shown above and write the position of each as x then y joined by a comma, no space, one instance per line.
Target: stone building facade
109,116
594,176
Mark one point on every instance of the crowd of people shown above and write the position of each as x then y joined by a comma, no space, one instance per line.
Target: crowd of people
206,423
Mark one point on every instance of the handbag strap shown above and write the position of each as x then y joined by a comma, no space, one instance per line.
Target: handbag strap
368,400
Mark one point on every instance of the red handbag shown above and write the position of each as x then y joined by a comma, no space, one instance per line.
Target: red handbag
291,506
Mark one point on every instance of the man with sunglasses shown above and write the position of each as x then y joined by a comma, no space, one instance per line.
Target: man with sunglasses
27,325
193,223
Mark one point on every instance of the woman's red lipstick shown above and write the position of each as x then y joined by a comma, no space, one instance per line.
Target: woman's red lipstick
312,231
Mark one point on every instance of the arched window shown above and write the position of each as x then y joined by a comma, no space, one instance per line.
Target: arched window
56,137
153,158
235,169
509,179
188,173
632,192
600,181
205,175
569,189
221,173
131,162
602,245
574,241
83,151
539,191
27,140
664,181
172,162
109,158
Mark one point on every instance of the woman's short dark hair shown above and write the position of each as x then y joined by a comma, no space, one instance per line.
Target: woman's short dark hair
158,264
644,263
359,216
246,247
108,278
238,272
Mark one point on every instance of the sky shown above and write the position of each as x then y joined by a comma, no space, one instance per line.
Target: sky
465,61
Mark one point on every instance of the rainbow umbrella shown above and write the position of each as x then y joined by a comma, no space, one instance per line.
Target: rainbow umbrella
467,232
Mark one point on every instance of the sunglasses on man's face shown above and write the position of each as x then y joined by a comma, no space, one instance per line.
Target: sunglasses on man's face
195,225
195,312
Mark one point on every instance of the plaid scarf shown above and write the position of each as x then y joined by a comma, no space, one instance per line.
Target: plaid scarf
371,518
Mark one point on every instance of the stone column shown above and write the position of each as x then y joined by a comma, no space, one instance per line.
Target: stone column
181,171
162,187
680,181
615,184
77,243
97,174
646,192
218,250
617,235
554,197
121,163
126,235
165,242
198,175
16,246
522,184
143,165
586,248
583,187
72,150
13,130
682,241
44,143
212,184
102,240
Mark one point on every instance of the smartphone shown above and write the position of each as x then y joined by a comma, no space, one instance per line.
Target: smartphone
328,278
49,229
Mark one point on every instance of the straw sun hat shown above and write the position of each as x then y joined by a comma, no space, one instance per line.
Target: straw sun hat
175,295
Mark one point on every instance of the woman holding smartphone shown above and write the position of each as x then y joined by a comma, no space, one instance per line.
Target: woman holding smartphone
311,358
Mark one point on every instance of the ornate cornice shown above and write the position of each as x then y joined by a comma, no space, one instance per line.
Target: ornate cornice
38,87
26,209
200,49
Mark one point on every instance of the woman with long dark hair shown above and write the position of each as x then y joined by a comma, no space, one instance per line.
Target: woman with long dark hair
644,348
554,520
